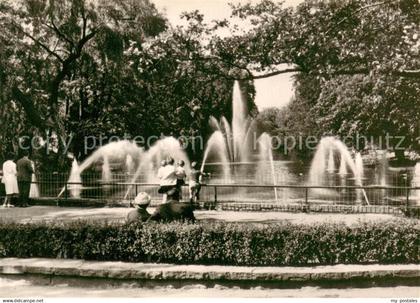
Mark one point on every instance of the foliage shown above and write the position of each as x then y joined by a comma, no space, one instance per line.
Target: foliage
347,81
369,106
105,68
328,37
413,212
79,68
45,44
222,243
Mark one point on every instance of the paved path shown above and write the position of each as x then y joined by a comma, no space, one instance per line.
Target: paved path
11,288
162,271
67,278
118,214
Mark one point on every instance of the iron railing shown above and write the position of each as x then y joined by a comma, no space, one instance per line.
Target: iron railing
247,193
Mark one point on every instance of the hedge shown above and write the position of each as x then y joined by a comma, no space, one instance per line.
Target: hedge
217,243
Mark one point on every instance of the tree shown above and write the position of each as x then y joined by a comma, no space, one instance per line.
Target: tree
324,38
45,40
347,81
107,69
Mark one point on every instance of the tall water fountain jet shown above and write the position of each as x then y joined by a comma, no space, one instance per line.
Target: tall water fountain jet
359,175
34,190
75,189
216,145
239,114
237,134
266,156
383,172
228,137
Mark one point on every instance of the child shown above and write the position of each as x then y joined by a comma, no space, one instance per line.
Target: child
194,183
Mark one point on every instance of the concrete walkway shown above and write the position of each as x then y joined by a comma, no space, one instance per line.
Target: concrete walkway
35,214
158,272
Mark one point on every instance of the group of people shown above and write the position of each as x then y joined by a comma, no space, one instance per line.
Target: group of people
17,178
172,177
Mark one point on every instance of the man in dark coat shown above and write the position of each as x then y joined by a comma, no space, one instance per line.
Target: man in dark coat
173,211
24,177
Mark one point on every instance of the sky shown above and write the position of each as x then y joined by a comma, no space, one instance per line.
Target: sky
274,91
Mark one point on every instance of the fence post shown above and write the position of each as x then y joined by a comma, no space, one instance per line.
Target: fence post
136,190
215,194
306,196
407,192
66,193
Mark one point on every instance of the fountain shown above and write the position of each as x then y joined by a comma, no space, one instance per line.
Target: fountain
359,174
115,150
266,156
76,188
228,151
106,172
323,162
416,183
342,172
34,190
236,136
383,167
151,159
126,152
217,144
129,164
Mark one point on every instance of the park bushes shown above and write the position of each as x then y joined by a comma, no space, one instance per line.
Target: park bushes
217,243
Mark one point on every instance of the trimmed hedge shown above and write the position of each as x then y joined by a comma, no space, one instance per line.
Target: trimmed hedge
217,243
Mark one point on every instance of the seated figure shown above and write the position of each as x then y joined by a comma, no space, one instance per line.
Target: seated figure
140,214
173,211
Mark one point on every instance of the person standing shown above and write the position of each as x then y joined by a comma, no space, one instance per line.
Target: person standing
167,176
24,177
195,182
9,180
180,174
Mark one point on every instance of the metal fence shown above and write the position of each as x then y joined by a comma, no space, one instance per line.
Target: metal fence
121,189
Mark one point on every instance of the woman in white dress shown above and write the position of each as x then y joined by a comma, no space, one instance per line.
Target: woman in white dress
10,181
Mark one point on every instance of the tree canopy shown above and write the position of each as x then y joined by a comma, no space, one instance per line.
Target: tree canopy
356,62
80,67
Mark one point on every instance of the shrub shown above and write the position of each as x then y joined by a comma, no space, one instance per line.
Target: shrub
413,212
217,243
